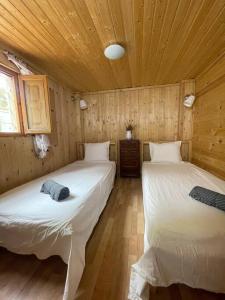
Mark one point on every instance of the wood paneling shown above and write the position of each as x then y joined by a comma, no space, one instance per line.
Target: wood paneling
187,87
166,41
18,163
157,112
209,119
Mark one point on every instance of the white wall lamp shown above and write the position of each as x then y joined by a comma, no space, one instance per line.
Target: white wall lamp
189,100
114,51
83,104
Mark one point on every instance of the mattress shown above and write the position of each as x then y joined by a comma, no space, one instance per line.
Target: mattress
184,239
32,223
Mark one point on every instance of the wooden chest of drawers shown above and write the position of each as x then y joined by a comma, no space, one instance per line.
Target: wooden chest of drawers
129,158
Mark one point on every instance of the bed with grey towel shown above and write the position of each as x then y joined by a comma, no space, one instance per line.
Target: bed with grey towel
32,223
184,239
208,197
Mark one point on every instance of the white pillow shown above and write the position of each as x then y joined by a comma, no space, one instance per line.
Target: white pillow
165,152
96,151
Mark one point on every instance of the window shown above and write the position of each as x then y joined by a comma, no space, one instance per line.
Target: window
9,112
24,103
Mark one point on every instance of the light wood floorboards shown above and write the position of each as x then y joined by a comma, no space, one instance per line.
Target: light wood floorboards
117,242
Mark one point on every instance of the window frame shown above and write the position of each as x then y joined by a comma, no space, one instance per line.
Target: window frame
14,74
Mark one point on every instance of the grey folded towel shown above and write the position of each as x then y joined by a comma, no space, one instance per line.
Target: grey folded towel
208,197
55,190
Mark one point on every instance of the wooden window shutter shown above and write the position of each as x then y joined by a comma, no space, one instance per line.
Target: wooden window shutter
35,104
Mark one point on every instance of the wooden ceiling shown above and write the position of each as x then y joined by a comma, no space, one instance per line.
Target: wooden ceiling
165,40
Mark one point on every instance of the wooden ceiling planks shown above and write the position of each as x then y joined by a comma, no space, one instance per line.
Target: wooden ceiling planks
210,35
184,20
110,31
23,36
166,41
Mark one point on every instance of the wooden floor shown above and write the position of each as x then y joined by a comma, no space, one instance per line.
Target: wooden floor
117,242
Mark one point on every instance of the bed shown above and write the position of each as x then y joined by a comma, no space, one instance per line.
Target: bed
184,240
33,223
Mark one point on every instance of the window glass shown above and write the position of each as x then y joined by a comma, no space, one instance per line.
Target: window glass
9,118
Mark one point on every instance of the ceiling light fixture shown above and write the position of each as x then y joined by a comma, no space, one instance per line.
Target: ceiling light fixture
114,51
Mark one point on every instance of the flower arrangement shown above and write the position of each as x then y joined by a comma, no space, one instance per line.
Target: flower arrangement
130,126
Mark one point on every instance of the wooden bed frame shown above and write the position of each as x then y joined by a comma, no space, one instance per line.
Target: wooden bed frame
185,150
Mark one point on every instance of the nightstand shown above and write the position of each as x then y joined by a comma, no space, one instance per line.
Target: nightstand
129,158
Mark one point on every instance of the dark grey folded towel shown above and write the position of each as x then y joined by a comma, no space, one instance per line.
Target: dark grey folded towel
56,191
208,197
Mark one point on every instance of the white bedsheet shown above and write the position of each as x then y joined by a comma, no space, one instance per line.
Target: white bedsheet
184,239
32,223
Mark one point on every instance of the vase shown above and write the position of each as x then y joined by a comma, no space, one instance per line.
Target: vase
128,134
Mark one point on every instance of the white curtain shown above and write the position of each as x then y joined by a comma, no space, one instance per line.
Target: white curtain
41,145
19,63
41,141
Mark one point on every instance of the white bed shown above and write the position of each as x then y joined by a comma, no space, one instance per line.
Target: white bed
184,239
32,223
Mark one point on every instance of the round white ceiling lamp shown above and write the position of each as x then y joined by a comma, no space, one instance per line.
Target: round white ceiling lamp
114,51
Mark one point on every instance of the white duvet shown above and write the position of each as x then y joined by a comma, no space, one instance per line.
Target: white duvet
32,223
184,239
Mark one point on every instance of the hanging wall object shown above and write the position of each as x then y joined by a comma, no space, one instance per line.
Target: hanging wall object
83,104
189,100
41,145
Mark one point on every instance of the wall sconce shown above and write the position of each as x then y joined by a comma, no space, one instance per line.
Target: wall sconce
83,104
189,100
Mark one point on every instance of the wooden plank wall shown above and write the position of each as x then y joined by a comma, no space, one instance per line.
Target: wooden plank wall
157,112
209,119
18,163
